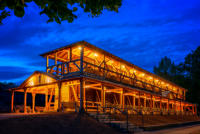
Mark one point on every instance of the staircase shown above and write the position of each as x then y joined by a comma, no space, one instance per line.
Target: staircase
121,125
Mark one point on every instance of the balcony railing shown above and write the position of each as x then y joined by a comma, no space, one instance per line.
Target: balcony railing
92,70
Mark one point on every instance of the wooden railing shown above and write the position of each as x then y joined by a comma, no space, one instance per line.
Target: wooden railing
89,69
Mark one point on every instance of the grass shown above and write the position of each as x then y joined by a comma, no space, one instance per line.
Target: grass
68,123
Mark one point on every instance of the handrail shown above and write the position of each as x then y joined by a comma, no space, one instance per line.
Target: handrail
131,78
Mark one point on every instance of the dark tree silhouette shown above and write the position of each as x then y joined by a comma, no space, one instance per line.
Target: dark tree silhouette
186,74
58,10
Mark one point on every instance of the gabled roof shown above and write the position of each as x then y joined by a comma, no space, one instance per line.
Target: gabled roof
37,72
86,44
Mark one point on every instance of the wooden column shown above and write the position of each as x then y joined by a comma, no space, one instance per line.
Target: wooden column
151,102
59,95
12,100
145,101
70,54
122,99
139,105
160,103
84,94
168,105
81,108
46,101
47,63
102,96
25,97
55,59
134,101
33,102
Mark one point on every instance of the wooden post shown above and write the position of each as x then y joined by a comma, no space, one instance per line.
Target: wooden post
47,63
139,105
55,58
12,100
33,102
168,105
102,96
84,94
59,95
122,100
81,108
134,101
46,101
145,101
160,103
25,95
70,54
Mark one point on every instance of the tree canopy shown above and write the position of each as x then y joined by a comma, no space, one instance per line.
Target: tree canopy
58,10
185,74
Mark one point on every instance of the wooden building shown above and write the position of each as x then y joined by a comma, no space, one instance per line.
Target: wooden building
88,76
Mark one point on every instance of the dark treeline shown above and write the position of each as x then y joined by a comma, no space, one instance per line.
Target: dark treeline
185,74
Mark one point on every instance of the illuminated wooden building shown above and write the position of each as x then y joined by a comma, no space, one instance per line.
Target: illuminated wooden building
90,76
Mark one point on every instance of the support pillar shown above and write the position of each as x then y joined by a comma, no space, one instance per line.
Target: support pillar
46,101
33,102
25,96
81,108
102,96
47,63
59,95
134,101
12,100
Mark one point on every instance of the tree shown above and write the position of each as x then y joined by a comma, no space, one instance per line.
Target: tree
192,71
58,10
166,69
186,74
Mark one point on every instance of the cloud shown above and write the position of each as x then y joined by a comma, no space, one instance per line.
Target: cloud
8,73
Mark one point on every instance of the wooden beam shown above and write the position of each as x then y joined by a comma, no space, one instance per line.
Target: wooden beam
81,108
59,95
33,102
12,100
46,101
102,95
25,95
56,58
47,63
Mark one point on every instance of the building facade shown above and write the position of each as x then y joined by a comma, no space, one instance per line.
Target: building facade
83,75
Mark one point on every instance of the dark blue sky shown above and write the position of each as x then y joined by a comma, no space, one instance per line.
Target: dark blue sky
142,32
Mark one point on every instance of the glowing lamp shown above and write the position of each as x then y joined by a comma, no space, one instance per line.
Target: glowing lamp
95,54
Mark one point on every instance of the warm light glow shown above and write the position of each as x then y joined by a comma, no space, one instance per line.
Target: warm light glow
95,54
123,66
150,78
111,61
134,71
162,82
48,80
156,80
79,48
142,74
31,83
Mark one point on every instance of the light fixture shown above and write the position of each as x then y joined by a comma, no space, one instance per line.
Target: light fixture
95,54
123,66
79,48
142,74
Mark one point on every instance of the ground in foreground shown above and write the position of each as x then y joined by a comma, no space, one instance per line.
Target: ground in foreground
65,123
